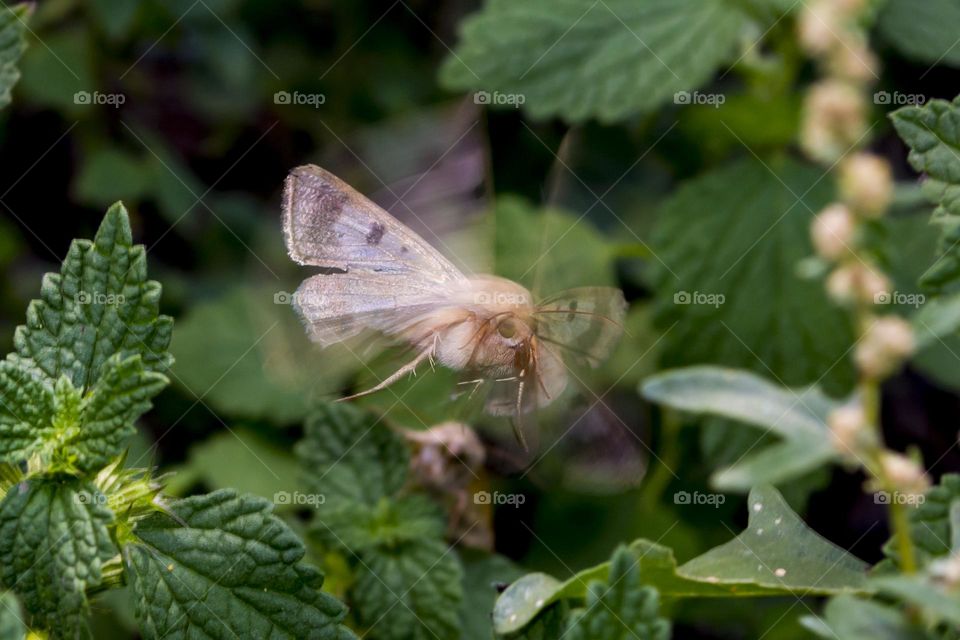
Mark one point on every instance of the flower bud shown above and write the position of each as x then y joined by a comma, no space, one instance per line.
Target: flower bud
847,428
818,26
832,231
834,119
854,61
866,184
884,347
904,474
857,282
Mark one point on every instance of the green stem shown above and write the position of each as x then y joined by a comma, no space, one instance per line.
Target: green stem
658,479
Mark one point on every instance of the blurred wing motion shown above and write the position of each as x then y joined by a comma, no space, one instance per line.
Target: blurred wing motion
392,275
582,325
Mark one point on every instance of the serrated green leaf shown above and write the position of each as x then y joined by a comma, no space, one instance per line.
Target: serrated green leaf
26,410
13,28
12,626
620,607
932,132
930,526
798,416
100,304
409,592
580,59
852,618
727,284
54,539
350,458
922,31
226,567
355,527
778,550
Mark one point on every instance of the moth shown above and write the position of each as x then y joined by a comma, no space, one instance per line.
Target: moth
382,276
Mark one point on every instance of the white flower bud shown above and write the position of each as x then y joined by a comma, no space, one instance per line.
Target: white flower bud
818,26
857,282
904,474
946,571
832,231
866,184
834,119
884,347
854,61
847,426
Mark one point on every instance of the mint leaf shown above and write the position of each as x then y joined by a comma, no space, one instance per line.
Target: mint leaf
12,626
922,31
13,27
100,304
581,59
619,608
26,410
409,592
54,539
932,132
350,458
226,567
797,416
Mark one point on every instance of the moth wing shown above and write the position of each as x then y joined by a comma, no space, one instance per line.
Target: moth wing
338,306
583,324
327,223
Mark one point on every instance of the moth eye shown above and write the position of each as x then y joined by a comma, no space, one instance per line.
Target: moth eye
507,329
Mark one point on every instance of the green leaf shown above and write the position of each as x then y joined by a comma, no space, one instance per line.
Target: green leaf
13,26
482,574
778,550
920,592
226,567
59,67
350,458
932,132
922,31
852,618
797,416
409,592
100,304
726,281
580,59
355,526
12,626
620,607
54,539
930,526
110,173
26,410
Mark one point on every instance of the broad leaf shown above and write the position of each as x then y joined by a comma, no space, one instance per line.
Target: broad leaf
100,304
922,31
225,567
54,539
411,591
482,575
13,27
932,132
797,416
620,607
727,284
582,59
12,626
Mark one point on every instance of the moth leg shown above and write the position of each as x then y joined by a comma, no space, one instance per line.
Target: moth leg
518,424
410,367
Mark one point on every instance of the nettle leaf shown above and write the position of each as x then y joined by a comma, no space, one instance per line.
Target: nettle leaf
778,550
620,607
930,525
356,527
100,304
226,567
730,242
26,410
580,59
932,132
351,459
13,28
54,539
798,416
409,592
12,626
922,31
